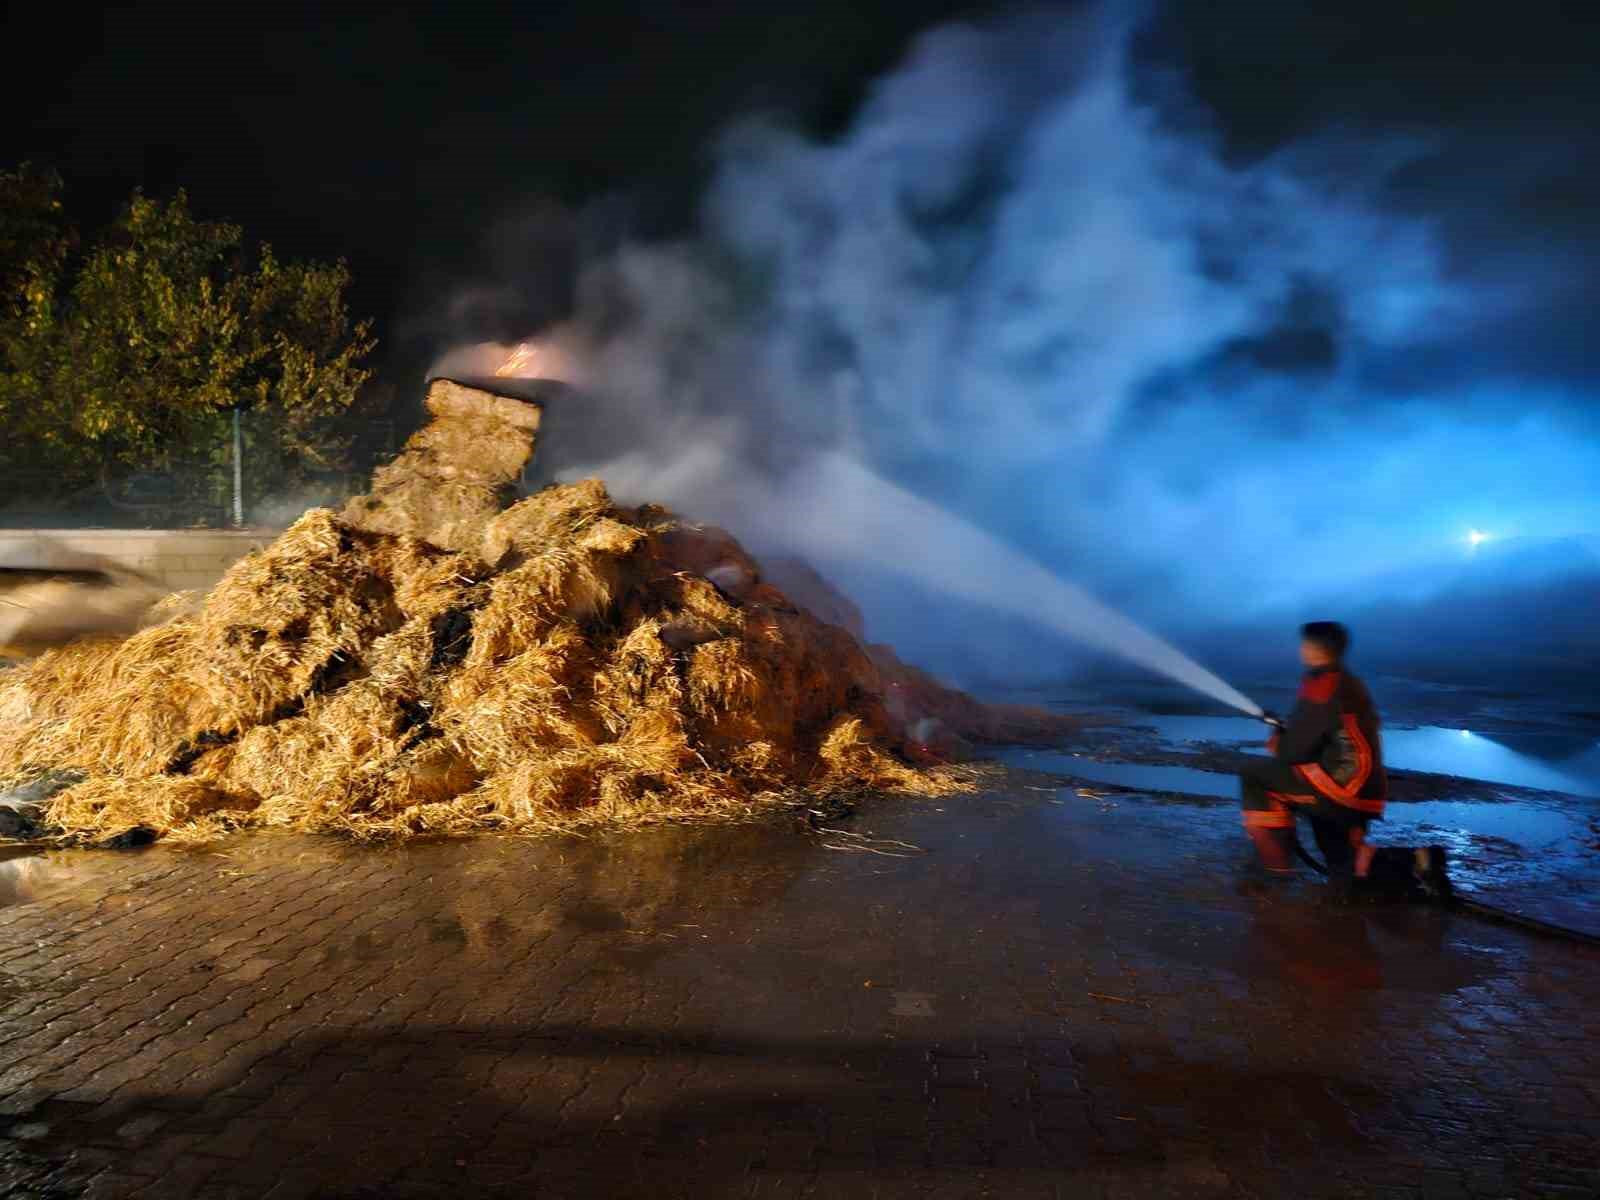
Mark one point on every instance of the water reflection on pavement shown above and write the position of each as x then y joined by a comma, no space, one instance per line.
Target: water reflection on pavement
1050,995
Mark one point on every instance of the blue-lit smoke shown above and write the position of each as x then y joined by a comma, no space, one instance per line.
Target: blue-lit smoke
1025,286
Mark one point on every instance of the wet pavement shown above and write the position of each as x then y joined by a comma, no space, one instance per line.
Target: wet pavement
1513,842
1562,760
1028,993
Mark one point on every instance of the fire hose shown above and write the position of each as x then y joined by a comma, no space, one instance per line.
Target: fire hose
1489,912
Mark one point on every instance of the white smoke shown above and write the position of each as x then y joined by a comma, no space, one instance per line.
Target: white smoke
1005,247
966,293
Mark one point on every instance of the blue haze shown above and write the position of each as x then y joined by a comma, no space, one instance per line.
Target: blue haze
1027,286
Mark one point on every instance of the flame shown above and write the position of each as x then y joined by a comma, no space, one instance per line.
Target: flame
546,357
523,355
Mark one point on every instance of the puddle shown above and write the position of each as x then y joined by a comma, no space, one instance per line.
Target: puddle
1550,762
1505,817
26,875
1531,825
1556,762
1539,856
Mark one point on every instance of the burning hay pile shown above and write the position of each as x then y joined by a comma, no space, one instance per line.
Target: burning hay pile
560,663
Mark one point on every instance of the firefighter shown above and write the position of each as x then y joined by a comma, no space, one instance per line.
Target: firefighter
1327,765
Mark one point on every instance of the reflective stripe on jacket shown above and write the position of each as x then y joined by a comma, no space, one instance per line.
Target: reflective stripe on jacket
1333,742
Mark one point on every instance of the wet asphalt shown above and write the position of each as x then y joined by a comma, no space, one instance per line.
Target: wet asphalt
1031,992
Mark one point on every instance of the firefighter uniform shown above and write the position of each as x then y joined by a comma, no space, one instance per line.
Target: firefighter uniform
1327,763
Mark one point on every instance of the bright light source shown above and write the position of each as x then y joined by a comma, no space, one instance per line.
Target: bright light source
1476,537
1466,733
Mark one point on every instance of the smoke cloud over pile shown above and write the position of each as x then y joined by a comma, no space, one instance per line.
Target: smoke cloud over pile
1025,289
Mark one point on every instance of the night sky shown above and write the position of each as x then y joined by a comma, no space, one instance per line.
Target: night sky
402,139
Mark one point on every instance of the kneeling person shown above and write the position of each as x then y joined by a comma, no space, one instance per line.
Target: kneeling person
1327,764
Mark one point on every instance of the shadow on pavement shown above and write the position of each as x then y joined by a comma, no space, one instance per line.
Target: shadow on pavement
602,1111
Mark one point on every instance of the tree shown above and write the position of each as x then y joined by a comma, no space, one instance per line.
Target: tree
132,355
34,244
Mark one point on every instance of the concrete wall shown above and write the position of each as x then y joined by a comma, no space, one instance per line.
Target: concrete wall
175,558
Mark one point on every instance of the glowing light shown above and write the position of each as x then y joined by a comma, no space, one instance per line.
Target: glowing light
522,357
1466,733
1476,538
540,359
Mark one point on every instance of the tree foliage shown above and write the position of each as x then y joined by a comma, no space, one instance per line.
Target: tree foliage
34,241
131,353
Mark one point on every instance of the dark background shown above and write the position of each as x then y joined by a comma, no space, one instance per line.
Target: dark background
435,143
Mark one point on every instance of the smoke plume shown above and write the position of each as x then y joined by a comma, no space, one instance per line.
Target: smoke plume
1027,289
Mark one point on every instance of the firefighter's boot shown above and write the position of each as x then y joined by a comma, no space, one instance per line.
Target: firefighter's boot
1275,848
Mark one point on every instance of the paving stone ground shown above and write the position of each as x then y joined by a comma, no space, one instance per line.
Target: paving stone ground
1043,999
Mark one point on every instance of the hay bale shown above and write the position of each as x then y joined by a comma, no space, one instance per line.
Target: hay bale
107,807
807,589
104,706
456,473
571,663
942,722
710,553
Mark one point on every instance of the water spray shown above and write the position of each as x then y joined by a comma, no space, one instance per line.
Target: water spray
957,558
833,510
